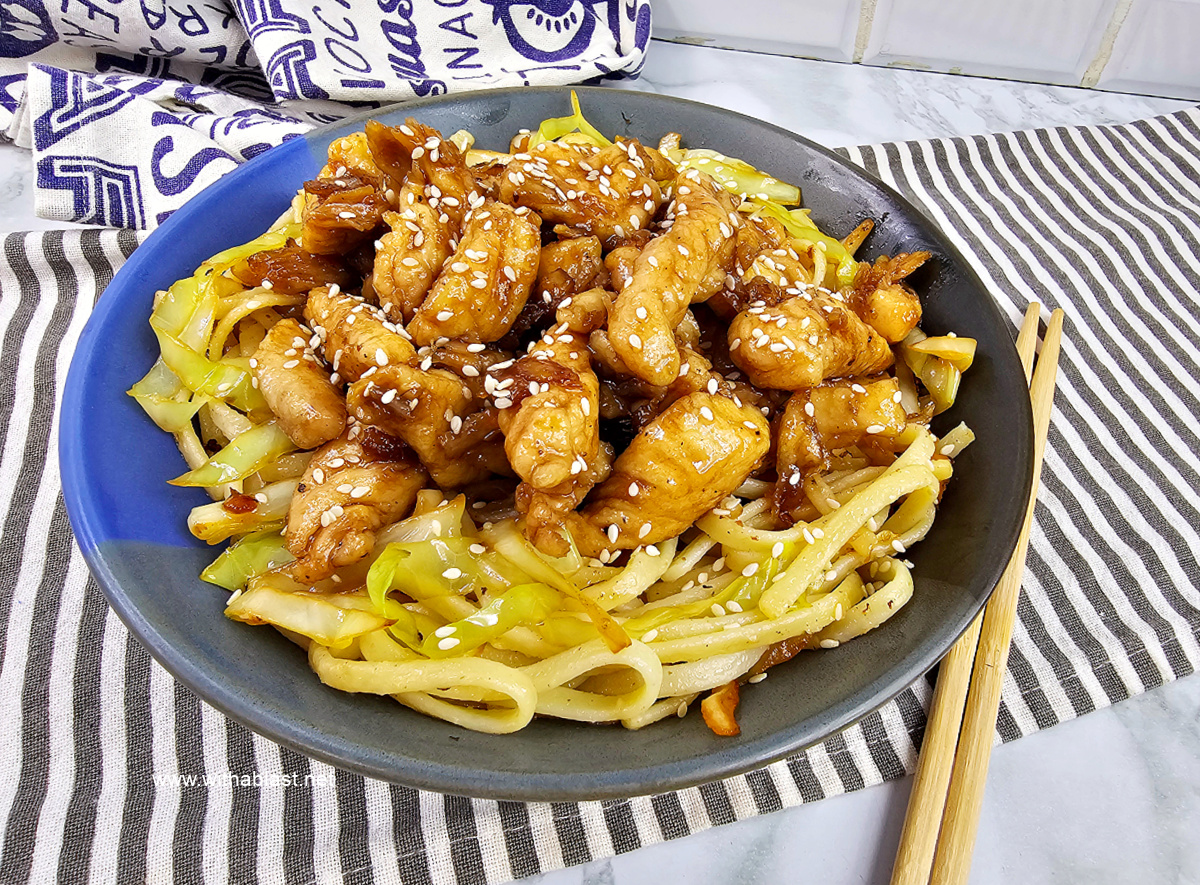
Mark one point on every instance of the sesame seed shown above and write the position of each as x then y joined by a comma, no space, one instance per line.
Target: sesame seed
503,403
777,550
875,428
837,612
644,530
717,610
290,364
808,536
809,409
345,215
750,570
818,533
613,532
831,575
707,413
683,250
757,678
388,397
650,635
712,388
380,356
635,342
444,315
829,643
719,565
460,267
452,574
897,546
359,491
681,710
409,261
448,643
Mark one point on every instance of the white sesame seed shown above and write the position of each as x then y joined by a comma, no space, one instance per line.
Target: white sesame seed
650,635
359,491
897,546
818,533
613,532
290,364
381,357
644,530
635,342
829,643
345,215
443,315
388,397
447,643
717,610
750,570
707,413
777,550
875,428
809,409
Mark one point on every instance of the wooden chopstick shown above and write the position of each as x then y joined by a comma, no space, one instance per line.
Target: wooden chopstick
960,821
923,821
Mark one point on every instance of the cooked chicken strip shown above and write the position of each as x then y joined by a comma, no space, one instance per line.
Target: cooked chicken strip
885,303
410,256
552,421
426,409
418,154
339,214
670,273
356,337
546,510
802,341
606,192
351,155
346,496
478,295
835,415
296,386
566,268
677,468
587,312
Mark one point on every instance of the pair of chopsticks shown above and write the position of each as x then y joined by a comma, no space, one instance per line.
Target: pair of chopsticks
943,810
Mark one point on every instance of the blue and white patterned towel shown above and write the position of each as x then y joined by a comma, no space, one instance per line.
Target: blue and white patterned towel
130,107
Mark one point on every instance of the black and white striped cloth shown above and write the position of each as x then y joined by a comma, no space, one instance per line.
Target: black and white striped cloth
115,773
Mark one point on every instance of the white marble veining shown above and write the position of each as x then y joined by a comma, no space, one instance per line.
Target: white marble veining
1113,797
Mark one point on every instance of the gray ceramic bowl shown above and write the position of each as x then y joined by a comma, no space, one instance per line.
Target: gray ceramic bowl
131,525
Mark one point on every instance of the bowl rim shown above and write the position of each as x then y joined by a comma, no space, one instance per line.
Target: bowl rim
449,778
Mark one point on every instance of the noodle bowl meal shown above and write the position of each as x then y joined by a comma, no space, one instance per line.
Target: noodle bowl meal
589,429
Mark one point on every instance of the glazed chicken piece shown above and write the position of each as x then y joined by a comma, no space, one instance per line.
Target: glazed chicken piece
339,214
410,256
800,342
356,337
546,510
587,312
606,192
348,493
296,386
417,155
292,270
352,155
551,425
480,292
426,409
551,422
676,469
566,268
883,301
835,415
674,270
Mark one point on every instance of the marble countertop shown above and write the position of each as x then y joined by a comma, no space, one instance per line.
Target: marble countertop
1111,797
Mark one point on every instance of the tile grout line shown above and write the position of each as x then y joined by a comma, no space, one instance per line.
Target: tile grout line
1104,52
866,19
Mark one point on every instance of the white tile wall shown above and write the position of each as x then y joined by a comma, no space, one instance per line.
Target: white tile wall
1142,46
1157,50
1051,41
815,28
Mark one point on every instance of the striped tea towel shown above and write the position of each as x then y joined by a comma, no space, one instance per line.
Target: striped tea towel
117,774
